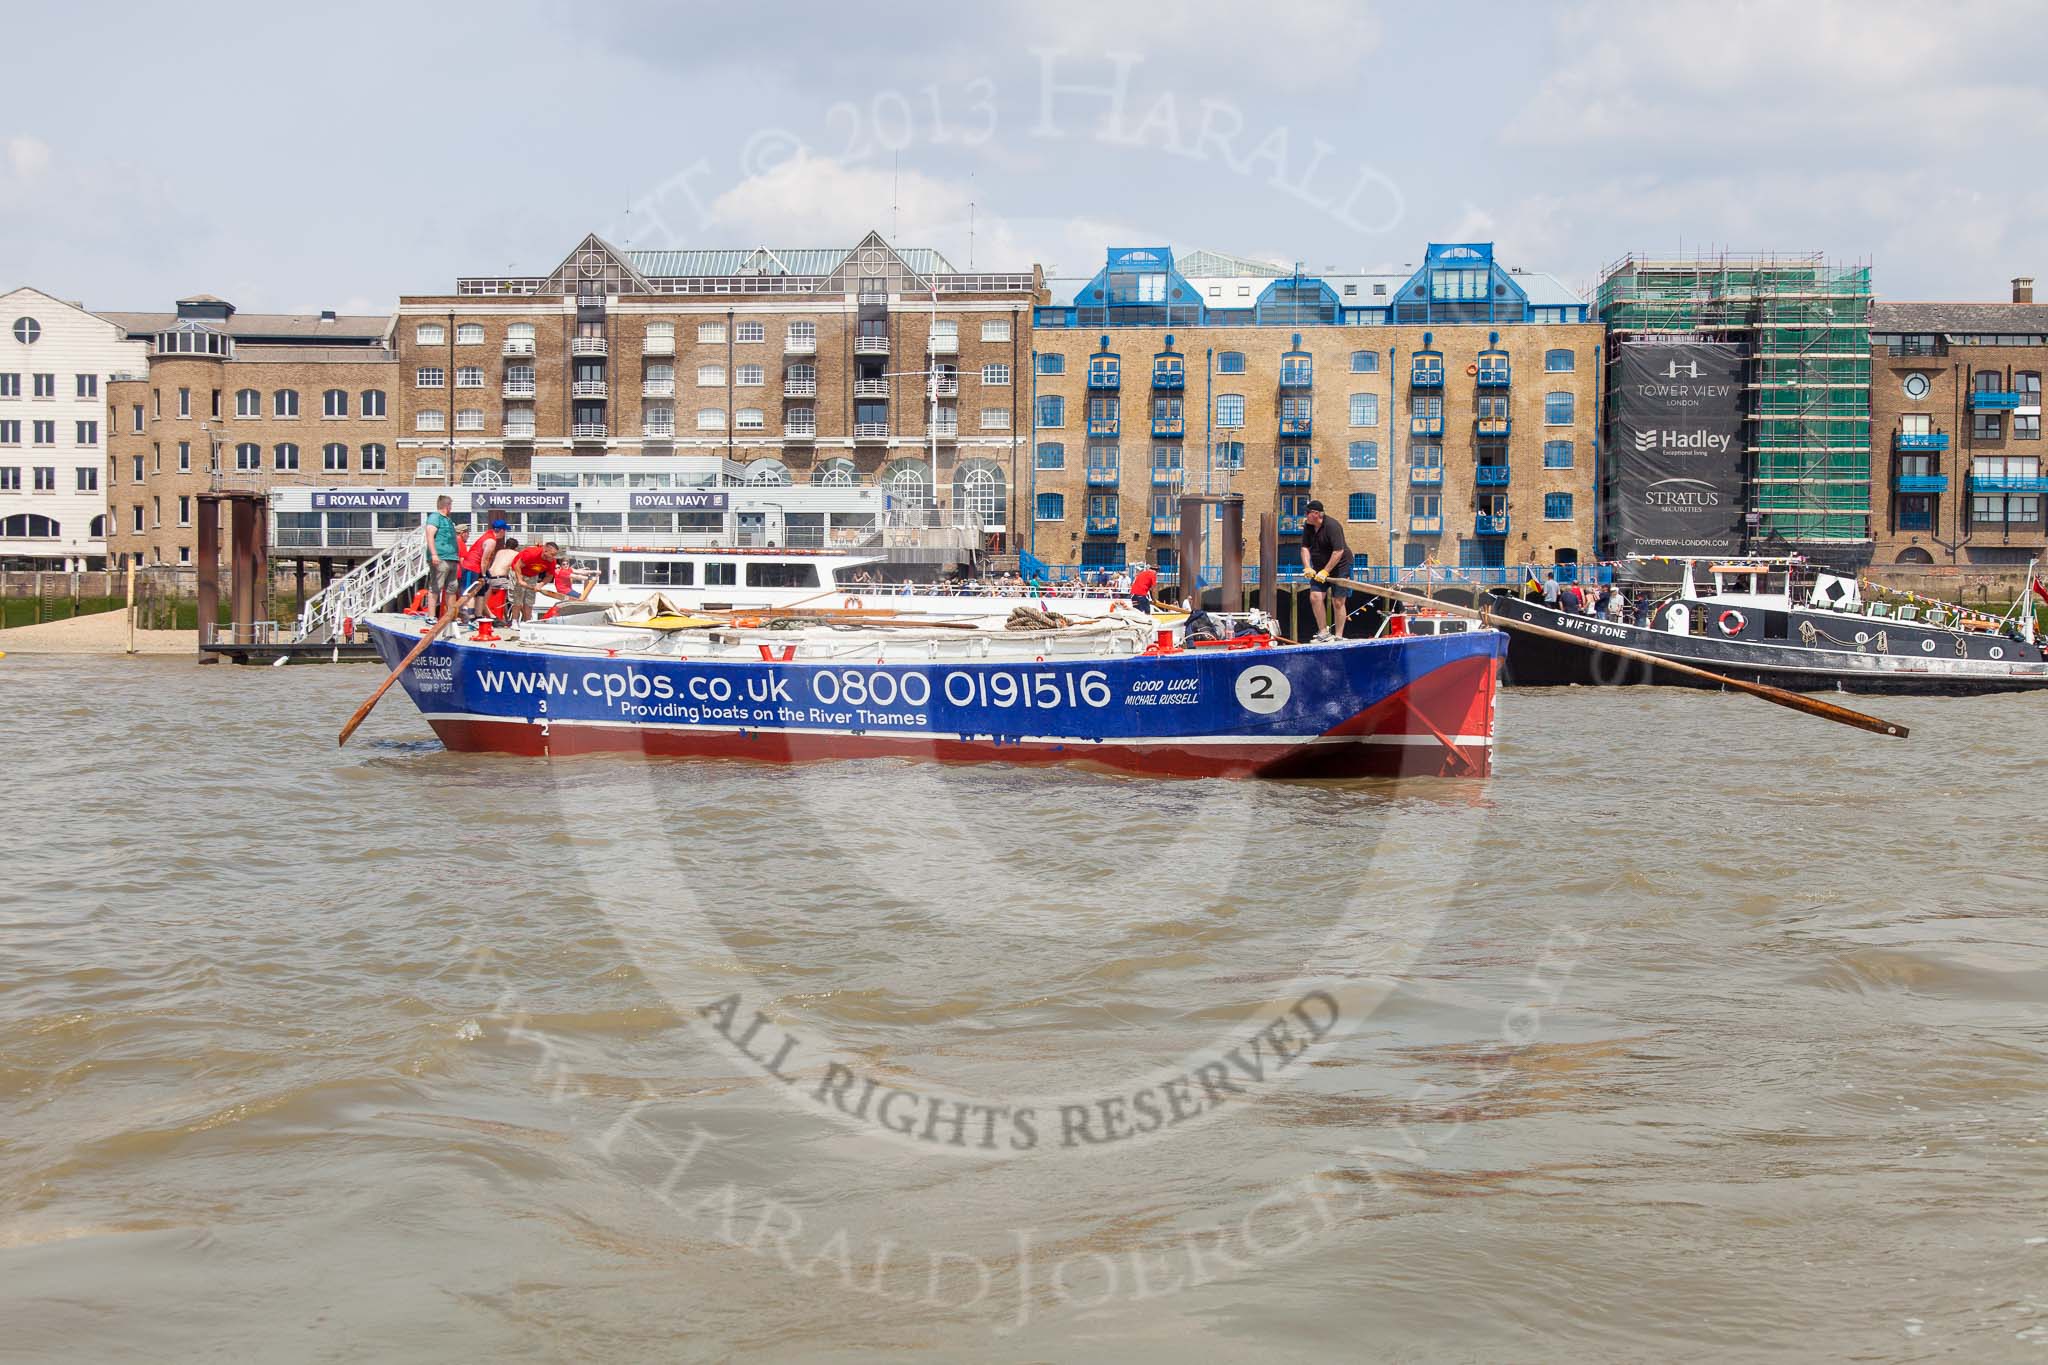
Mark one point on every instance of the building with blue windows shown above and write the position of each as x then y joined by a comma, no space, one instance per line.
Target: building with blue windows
1446,412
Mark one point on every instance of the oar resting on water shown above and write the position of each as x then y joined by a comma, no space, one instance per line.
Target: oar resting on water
1812,706
448,611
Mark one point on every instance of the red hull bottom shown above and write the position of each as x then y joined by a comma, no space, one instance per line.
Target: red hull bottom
1439,726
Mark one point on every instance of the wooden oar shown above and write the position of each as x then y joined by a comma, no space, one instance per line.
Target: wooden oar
363,712
1841,715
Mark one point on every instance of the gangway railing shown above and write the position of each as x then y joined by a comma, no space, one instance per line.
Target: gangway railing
372,585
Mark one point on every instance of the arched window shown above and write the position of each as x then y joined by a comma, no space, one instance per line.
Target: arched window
29,526
248,403
334,458
749,419
909,482
1230,362
768,472
373,459
430,334
334,403
711,419
373,402
286,458
978,486
99,527
285,403
485,473
248,457
1365,362
836,473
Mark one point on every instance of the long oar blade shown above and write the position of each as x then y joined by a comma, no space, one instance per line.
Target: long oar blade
1793,701
363,712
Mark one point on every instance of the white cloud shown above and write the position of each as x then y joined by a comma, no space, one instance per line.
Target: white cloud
27,157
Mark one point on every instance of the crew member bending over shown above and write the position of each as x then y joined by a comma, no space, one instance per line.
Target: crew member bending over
1325,555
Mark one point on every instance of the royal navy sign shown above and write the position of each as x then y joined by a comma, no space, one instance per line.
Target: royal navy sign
678,502
363,501
1676,448
518,500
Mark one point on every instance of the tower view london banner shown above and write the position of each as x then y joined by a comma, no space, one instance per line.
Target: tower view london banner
1677,448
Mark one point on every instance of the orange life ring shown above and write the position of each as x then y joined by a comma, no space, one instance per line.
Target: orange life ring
853,604
1721,622
1472,368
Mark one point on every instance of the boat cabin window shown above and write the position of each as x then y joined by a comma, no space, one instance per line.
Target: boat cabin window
717,575
782,575
656,573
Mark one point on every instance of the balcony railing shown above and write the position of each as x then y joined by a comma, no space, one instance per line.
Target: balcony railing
946,431
589,388
1111,378
1425,426
1103,526
799,388
1102,426
1427,373
653,344
1491,476
871,344
588,346
796,345
872,296
1922,483
1493,376
1296,377
1294,476
807,431
2008,483
1427,476
519,388
519,431
1169,426
657,388
946,388
661,431
1492,428
1920,440
1488,524
1993,400
1290,526
870,431
943,343
1169,377
1167,477
1425,526
1166,526
587,431
518,347
1101,476
870,388
1296,426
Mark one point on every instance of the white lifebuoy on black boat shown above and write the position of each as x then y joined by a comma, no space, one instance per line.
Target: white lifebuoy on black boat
1731,622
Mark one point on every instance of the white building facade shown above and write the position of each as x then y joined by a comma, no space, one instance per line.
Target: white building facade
55,363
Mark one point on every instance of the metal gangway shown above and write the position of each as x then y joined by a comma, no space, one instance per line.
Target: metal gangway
391,575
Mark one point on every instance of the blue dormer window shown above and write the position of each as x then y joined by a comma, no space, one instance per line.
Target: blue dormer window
1104,372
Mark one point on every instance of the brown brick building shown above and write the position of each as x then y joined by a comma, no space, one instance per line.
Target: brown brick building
1454,426
796,365
1955,424
242,400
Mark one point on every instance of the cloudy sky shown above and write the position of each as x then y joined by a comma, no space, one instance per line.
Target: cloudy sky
291,157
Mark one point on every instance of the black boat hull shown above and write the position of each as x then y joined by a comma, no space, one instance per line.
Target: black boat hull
1537,661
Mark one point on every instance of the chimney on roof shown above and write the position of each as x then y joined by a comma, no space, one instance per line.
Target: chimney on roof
2023,289
326,315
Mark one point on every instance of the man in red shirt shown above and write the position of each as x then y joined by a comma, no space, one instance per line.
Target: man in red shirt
535,565
1141,588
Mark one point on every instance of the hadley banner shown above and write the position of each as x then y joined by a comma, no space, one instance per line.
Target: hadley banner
1677,448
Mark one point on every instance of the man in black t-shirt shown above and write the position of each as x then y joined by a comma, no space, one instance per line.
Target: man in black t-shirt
1325,555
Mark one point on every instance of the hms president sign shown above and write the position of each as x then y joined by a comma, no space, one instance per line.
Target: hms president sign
1677,448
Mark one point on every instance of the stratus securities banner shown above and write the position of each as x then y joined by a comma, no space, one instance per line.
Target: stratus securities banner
1677,448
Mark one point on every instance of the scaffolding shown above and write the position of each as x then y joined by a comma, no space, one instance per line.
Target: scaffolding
1803,323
